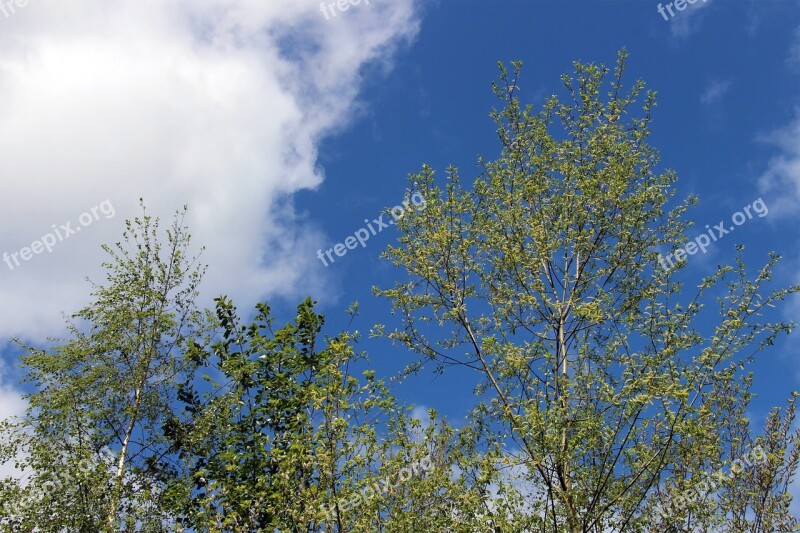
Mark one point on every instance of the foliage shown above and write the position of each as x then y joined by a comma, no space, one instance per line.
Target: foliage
286,437
597,368
612,398
92,442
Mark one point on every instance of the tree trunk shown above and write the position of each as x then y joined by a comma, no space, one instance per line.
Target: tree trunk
115,497
564,467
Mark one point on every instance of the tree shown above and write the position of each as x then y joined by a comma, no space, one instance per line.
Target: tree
258,455
284,436
598,370
155,417
93,436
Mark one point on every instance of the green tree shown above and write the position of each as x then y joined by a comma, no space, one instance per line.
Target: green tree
92,441
598,370
155,417
284,436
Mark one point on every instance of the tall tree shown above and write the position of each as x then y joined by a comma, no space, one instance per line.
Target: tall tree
599,370
101,397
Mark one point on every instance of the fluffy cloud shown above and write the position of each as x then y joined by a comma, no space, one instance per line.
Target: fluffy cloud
781,179
216,104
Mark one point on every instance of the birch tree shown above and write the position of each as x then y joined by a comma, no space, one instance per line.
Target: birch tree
612,379
101,396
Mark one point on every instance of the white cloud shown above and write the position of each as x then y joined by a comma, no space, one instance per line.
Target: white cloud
688,21
715,91
219,104
794,51
11,402
781,179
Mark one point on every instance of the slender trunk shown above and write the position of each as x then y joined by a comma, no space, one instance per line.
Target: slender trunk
115,497
566,480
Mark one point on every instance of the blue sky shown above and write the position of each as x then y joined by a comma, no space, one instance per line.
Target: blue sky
727,78
283,131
